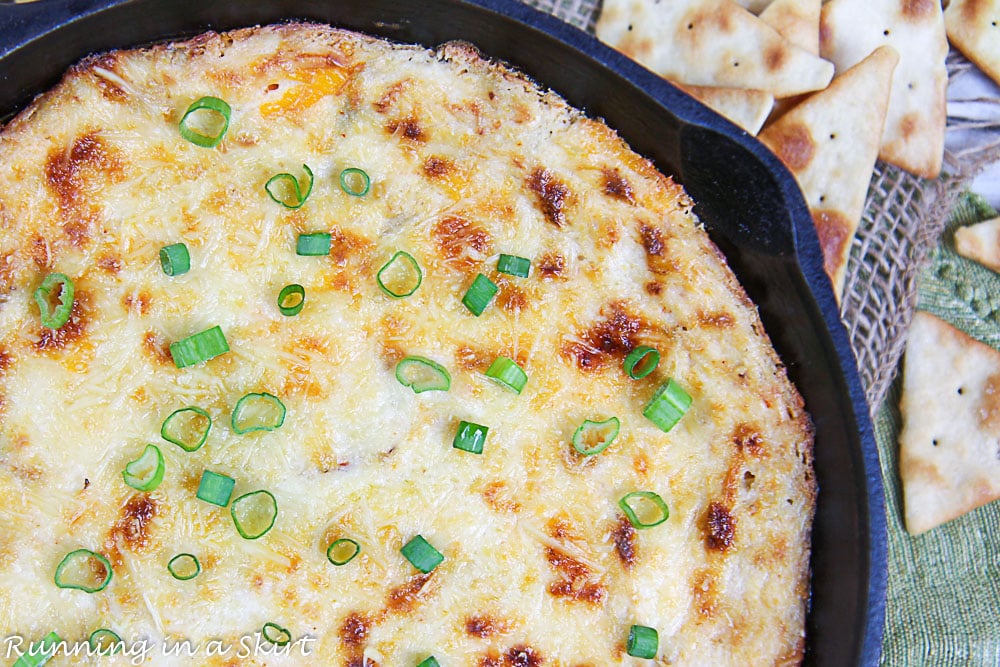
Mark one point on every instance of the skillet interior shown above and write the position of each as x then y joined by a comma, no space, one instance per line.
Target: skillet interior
749,202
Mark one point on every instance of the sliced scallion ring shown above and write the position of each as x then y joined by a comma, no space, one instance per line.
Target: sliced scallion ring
429,662
400,276
84,570
175,259
276,634
286,190
146,472
55,286
39,653
342,551
355,182
506,373
187,428
644,509
421,554
513,265
480,293
316,244
470,437
254,514
667,406
291,299
641,361
183,567
105,642
215,488
205,122
642,642
422,374
200,347
594,437
258,412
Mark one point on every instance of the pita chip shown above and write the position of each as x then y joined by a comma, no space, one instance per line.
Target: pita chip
830,143
746,108
795,20
915,124
710,43
755,6
949,448
974,28
980,242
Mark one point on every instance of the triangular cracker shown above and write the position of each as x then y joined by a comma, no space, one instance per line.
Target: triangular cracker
746,108
949,448
755,6
980,242
974,28
914,127
830,143
710,43
795,20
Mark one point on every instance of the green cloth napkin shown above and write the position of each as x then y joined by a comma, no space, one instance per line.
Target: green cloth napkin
943,604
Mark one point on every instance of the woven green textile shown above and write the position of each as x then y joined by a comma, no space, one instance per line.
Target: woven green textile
943,605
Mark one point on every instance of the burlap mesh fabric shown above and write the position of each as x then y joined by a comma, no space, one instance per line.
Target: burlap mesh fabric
904,217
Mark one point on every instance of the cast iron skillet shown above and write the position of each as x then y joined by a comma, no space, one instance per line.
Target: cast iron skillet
749,202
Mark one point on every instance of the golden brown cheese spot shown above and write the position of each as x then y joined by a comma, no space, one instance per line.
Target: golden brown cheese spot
748,440
110,264
654,288
137,302
354,630
455,236
574,582
551,194
157,347
915,10
617,186
350,255
624,536
51,340
613,336
496,496
721,527
132,528
652,239
361,661
721,320
834,232
437,167
404,598
510,297
387,99
793,144
110,89
6,361
408,128
471,359
491,659
704,593
483,626
522,656
75,176
552,266
38,248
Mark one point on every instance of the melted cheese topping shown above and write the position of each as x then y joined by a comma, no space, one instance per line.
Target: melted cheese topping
468,160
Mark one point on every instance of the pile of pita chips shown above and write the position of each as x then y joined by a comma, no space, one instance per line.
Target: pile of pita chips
974,28
915,124
980,242
949,448
830,143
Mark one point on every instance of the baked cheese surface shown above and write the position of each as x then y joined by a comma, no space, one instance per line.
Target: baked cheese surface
467,160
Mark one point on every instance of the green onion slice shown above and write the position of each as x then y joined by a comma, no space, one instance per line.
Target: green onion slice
470,437
55,286
642,642
215,488
105,642
422,374
667,406
594,437
400,276
513,265
429,662
421,554
205,122
644,509
342,551
39,653
285,189
479,294
258,412
84,570
200,347
187,428
174,259
641,361
291,299
316,244
254,514
276,634
146,472
183,567
355,182
508,374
